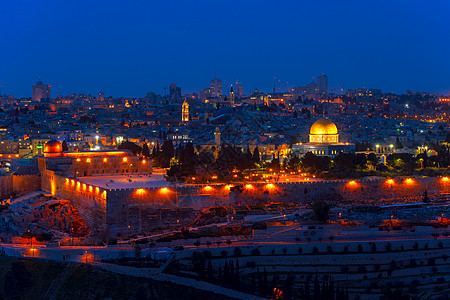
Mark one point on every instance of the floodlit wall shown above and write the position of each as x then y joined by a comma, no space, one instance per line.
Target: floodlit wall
23,184
90,201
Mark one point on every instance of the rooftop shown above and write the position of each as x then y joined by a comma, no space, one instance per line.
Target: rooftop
126,181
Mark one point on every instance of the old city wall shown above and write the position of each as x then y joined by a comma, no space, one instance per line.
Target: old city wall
23,184
88,200
365,190
6,186
137,210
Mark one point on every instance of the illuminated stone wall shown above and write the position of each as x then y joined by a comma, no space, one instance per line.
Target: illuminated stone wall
23,184
366,190
127,211
90,201
6,186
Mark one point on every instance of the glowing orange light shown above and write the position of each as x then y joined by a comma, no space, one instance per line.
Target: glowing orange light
105,160
235,175
67,180
228,187
88,160
445,179
97,190
249,187
125,159
390,181
140,192
214,177
90,188
409,181
84,186
72,182
352,184
270,186
144,161
164,190
78,159
17,155
207,188
193,178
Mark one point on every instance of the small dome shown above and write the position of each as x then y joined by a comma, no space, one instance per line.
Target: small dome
53,146
323,126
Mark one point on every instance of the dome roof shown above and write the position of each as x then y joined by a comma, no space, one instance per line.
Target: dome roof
323,126
53,146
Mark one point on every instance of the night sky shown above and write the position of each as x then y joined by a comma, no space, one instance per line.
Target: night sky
127,48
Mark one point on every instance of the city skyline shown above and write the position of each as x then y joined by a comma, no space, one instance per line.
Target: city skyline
124,51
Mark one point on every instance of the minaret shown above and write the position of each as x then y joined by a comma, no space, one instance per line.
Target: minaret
231,97
185,111
217,136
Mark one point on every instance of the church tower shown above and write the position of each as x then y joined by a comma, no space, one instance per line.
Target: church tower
217,136
231,97
185,111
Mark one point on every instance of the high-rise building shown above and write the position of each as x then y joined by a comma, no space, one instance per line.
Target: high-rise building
175,92
204,94
239,90
40,91
216,88
185,111
322,83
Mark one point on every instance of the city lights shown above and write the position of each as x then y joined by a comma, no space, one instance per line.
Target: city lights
302,187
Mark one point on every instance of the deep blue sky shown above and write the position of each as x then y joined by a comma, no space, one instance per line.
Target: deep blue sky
126,48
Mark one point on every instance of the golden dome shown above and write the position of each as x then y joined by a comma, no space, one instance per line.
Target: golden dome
323,126
53,146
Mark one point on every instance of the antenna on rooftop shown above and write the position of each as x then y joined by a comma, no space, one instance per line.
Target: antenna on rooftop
274,80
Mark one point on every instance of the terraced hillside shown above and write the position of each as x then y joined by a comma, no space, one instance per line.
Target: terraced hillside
28,279
366,270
